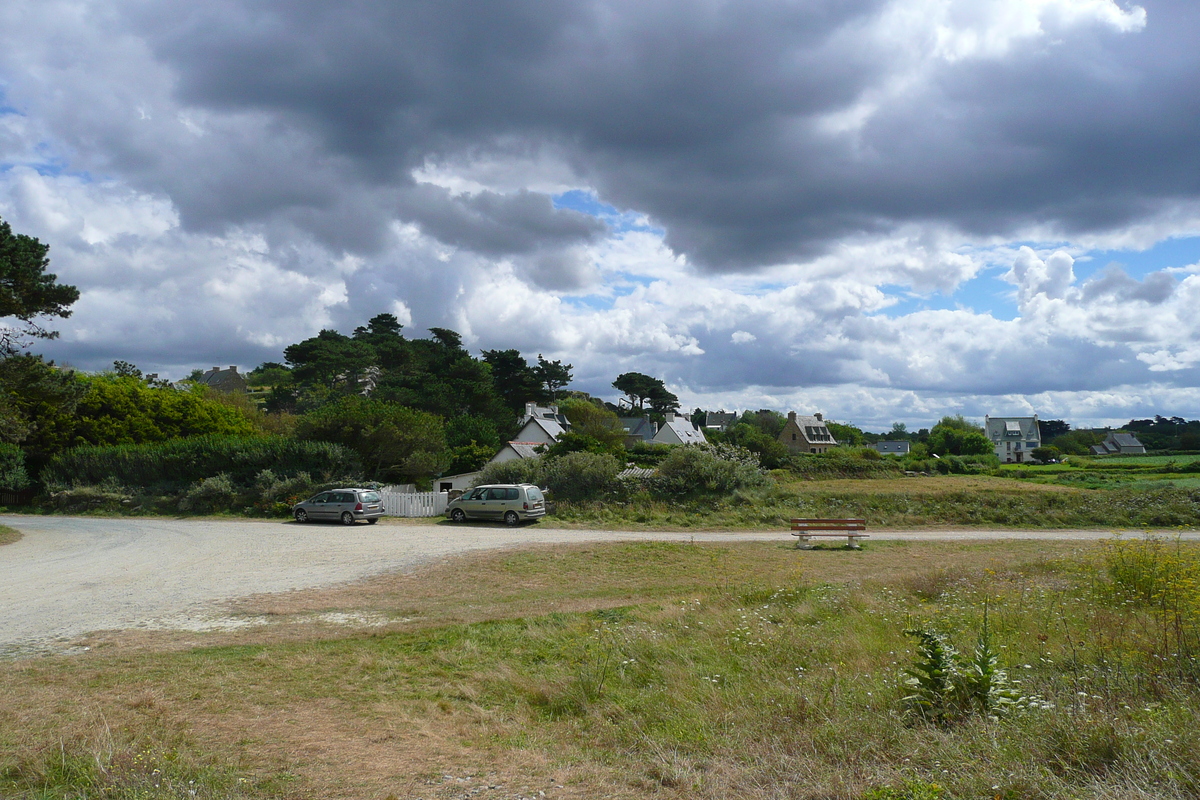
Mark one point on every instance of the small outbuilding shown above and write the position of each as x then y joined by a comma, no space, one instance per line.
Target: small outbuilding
901,448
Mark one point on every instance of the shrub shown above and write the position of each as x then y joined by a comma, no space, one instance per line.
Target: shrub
211,494
180,463
519,470
581,475
90,498
706,469
12,467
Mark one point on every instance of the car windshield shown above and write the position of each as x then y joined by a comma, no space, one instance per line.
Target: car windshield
534,493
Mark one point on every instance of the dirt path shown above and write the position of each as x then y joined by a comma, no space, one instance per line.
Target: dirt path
72,575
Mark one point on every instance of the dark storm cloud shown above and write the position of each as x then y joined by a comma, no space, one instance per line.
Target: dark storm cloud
495,224
702,115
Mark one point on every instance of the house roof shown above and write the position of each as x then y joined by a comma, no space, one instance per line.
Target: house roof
812,428
1000,429
225,379
720,419
525,449
684,429
1125,440
552,427
893,447
638,426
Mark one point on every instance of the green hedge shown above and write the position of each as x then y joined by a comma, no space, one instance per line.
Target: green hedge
179,463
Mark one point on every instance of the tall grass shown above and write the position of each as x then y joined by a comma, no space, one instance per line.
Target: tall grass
774,506
179,463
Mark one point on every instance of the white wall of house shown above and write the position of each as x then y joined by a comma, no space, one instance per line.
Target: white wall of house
453,483
1013,437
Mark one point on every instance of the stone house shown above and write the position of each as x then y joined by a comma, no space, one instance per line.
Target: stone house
224,380
806,434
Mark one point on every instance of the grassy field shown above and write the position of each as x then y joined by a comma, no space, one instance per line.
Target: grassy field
898,503
8,535
1100,461
649,670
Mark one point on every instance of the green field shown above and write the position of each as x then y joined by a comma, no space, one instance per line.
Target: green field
1147,460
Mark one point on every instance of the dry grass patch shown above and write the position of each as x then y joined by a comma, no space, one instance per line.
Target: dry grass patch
619,670
9,535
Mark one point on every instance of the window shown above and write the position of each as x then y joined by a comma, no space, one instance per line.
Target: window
373,497
793,437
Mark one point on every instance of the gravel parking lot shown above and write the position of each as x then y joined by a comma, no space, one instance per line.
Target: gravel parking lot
69,575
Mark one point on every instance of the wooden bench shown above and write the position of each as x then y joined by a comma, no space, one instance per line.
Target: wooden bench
852,529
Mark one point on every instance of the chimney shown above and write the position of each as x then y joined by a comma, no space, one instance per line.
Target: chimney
529,409
215,369
791,416
670,416
233,368
819,417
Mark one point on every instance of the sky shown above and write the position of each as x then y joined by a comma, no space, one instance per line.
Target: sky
882,210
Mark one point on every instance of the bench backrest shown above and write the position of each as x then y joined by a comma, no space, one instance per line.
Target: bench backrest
829,524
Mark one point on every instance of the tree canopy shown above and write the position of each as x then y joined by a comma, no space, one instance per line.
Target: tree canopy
27,290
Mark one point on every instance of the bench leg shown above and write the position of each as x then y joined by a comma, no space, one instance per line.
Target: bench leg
854,545
802,543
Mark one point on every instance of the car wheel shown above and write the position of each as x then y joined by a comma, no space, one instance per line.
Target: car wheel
458,515
511,519
301,515
347,518
372,520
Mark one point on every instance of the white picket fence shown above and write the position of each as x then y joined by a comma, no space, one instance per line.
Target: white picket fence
414,504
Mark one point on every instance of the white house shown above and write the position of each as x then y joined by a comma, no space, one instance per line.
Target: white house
1013,437
678,430
900,448
542,424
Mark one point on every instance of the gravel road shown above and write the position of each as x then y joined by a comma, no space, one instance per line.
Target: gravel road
70,575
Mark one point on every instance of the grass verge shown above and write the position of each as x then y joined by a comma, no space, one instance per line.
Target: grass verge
647,669
8,535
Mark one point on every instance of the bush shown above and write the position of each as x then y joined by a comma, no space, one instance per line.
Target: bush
706,469
12,467
179,464
211,494
90,498
519,470
581,475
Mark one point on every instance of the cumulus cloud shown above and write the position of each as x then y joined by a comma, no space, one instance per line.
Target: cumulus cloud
784,181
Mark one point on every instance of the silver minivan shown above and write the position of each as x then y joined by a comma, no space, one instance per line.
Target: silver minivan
510,503
346,506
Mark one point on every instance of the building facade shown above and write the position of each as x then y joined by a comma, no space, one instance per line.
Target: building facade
806,434
1013,438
